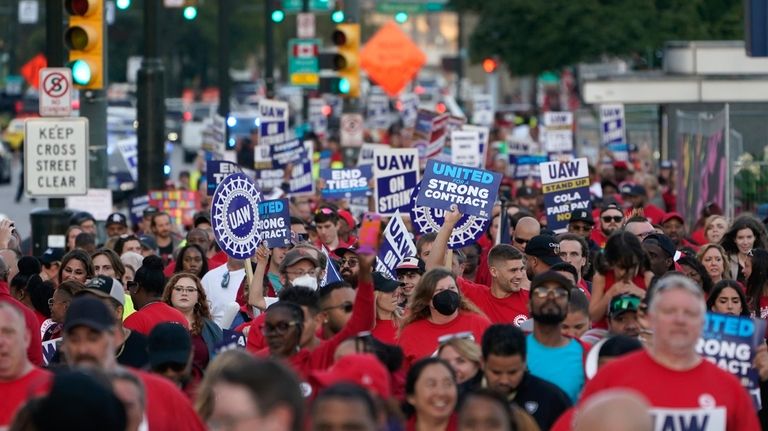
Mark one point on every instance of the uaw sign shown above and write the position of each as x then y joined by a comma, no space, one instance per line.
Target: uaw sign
273,126
429,219
235,216
566,188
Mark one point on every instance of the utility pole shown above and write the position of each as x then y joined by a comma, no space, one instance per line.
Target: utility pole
352,13
304,91
269,49
151,104
223,71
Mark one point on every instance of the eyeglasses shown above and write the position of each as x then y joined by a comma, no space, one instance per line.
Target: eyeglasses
521,241
182,289
616,219
543,292
624,303
466,335
297,274
349,262
345,307
225,280
279,328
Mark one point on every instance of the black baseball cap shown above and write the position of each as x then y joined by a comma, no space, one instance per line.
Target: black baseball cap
526,192
168,343
148,242
51,255
582,215
201,217
551,277
89,312
80,217
664,242
382,283
544,247
117,218
632,190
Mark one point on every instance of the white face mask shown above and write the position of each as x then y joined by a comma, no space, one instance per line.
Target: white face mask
305,280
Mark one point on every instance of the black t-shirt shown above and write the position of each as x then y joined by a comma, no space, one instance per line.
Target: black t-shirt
542,400
133,353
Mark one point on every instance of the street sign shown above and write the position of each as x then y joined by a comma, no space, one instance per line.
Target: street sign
391,58
235,216
314,5
411,6
56,92
305,25
56,156
303,64
352,130
29,10
173,3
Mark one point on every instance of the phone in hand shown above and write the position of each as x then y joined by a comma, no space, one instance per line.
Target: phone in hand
369,234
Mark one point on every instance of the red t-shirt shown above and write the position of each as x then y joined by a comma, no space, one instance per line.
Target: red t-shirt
153,314
453,423
653,213
255,341
610,280
419,338
483,274
582,285
167,406
217,260
35,349
702,395
598,237
385,331
511,309
16,392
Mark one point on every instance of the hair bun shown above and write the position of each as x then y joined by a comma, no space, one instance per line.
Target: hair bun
29,265
153,262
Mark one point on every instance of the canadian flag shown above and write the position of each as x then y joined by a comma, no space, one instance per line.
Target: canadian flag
305,50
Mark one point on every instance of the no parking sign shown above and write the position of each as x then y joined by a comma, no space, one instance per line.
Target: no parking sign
235,216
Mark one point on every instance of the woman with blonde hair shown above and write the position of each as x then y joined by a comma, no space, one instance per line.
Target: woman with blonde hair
437,308
465,358
716,261
714,228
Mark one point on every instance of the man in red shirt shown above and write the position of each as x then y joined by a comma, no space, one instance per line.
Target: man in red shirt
682,388
19,379
674,227
90,337
34,350
637,198
611,218
327,223
150,309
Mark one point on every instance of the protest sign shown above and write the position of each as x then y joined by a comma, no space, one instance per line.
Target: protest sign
181,205
50,348
409,109
472,190
613,133
214,134
216,171
273,121
301,181
426,220
317,119
377,111
231,340
98,202
138,205
429,134
396,245
396,172
269,179
331,275
235,216
482,113
290,151
483,133
274,223
557,131
129,150
365,156
730,342
566,188
346,183
527,166
465,149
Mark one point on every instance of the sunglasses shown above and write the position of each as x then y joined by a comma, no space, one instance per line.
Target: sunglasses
521,241
580,227
349,262
173,366
466,335
280,328
616,219
626,303
345,307
543,292
225,280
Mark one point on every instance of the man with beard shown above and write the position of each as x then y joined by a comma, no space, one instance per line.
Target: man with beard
611,218
348,264
636,198
674,227
335,301
541,252
553,356
622,315
504,371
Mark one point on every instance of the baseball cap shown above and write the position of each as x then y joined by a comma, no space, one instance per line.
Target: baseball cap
347,217
117,218
544,247
672,215
611,207
412,263
526,192
382,283
582,215
201,217
362,369
79,217
51,255
342,250
664,242
622,303
148,242
633,190
168,343
666,164
296,255
150,210
551,277
106,287
89,312
621,164
611,347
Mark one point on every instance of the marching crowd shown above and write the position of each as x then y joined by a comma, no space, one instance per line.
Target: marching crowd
524,329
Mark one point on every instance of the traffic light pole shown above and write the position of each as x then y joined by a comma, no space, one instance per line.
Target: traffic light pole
54,53
269,49
352,12
304,91
223,71
151,104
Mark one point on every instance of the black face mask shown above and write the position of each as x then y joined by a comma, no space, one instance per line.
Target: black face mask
446,302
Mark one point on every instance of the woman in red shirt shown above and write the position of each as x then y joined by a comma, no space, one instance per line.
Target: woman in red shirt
431,393
387,295
437,308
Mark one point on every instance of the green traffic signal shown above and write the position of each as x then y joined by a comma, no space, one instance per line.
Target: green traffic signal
190,13
123,4
344,86
401,17
278,15
81,72
337,16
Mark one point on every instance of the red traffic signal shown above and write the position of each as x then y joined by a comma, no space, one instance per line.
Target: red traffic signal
490,65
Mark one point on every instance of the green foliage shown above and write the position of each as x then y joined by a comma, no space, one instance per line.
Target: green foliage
534,36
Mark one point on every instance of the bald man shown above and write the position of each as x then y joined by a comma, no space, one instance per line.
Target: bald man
614,410
526,228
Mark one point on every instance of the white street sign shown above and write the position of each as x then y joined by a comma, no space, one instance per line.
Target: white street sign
29,11
352,130
56,156
55,92
305,25
173,3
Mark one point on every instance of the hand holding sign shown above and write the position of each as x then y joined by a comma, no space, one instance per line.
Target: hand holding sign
761,362
453,216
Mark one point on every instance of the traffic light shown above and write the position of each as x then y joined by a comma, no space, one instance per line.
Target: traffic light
401,17
277,14
337,15
346,37
123,4
490,64
85,39
190,13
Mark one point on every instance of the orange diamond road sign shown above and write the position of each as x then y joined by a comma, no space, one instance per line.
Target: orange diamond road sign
391,58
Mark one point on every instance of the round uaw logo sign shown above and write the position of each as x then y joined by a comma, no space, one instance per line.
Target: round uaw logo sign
426,219
235,216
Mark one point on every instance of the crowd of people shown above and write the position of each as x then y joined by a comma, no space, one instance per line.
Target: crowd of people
523,329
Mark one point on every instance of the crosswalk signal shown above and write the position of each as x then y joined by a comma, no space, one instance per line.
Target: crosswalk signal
346,37
85,39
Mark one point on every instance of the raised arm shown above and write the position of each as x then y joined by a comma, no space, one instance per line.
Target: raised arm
256,290
436,258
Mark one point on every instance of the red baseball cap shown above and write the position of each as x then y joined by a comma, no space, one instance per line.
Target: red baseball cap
672,215
347,216
362,369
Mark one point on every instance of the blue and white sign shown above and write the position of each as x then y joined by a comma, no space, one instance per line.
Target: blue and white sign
365,156
275,223
473,190
269,179
468,230
290,151
396,245
235,216
557,131
377,111
483,133
397,173
409,105
465,149
730,342
566,188
527,166
317,119
138,205
346,183
482,112
613,130
129,150
273,125
301,181
216,171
